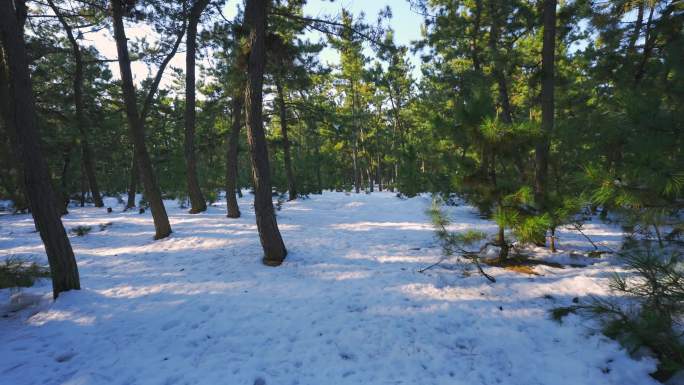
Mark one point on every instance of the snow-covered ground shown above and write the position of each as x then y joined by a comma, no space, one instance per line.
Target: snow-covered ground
347,307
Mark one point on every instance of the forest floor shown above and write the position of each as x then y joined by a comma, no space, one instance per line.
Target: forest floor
347,307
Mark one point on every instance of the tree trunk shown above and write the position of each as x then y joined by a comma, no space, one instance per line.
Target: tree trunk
83,185
291,185
149,100
232,156
271,241
132,183
503,245
197,202
14,180
547,101
22,119
78,103
62,197
475,36
379,173
638,23
136,128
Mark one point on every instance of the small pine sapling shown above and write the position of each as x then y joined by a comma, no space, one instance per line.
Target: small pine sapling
455,243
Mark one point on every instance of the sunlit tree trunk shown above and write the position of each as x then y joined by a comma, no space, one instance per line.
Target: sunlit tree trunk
269,234
136,128
197,202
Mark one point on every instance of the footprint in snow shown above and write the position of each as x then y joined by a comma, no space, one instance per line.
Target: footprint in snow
64,357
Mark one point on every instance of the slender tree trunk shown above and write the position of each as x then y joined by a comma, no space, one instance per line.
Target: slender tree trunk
147,104
22,118
501,240
83,185
271,241
197,202
136,128
379,173
132,183
80,108
291,183
232,156
547,101
357,176
475,36
62,196
638,23
649,43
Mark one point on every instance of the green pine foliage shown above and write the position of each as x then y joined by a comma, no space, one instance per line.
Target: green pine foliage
17,272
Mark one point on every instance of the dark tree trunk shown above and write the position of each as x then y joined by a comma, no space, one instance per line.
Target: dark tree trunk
83,185
80,109
638,23
149,100
379,173
271,241
232,156
132,183
136,128
22,118
13,178
291,185
62,196
547,101
475,36
197,202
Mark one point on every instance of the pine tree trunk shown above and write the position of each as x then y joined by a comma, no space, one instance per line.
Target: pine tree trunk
62,195
132,183
197,202
136,128
503,245
547,101
22,119
379,173
14,180
271,241
80,108
232,156
291,185
83,185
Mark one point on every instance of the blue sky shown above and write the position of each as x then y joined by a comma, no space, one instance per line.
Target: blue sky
404,22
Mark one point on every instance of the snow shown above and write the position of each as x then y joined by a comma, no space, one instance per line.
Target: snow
347,307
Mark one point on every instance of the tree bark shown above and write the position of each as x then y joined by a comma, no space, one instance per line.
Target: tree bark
80,108
197,202
291,184
547,101
232,156
271,241
137,129
475,36
133,183
149,100
22,118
